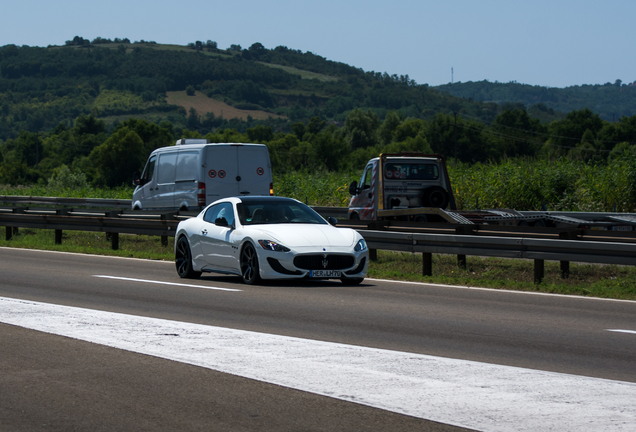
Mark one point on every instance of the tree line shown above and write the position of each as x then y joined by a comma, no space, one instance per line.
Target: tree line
108,156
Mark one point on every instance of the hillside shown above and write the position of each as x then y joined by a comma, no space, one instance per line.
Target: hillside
610,101
42,87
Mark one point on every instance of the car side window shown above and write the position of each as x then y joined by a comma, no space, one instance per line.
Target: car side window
225,211
209,214
218,211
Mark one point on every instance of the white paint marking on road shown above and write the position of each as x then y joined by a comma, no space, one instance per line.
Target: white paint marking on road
536,293
166,283
464,393
622,331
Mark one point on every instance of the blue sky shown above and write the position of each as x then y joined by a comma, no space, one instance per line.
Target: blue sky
554,43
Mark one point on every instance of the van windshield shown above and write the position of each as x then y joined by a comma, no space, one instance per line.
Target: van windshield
277,212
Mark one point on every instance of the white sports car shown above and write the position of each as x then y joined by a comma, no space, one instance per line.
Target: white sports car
265,237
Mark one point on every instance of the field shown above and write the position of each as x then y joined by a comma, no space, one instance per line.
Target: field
203,105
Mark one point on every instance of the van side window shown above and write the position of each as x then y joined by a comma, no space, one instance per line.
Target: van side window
187,166
149,170
167,167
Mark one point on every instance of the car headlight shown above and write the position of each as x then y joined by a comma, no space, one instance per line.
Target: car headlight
273,246
362,245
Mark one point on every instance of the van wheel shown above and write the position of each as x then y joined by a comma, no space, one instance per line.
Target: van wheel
436,197
183,260
249,265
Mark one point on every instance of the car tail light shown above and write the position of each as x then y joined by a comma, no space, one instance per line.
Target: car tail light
271,188
201,194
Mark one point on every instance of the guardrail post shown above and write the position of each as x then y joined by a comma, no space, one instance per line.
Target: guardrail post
114,241
461,261
565,269
373,254
539,270
427,264
169,216
58,232
9,232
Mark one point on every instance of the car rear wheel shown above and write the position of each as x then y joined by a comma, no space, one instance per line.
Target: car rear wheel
249,265
183,260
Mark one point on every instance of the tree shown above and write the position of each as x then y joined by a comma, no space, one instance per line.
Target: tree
392,120
360,128
517,133
118,158
567,133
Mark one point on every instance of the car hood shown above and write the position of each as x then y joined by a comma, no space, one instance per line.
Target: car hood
311,235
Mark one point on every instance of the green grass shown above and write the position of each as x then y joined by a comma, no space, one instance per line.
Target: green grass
606,281
96,243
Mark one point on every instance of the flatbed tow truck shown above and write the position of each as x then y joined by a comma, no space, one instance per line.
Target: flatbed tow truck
416,187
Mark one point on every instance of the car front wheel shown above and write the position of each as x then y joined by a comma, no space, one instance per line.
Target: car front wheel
183,260
249,265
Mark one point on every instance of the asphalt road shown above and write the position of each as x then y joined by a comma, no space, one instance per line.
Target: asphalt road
552,333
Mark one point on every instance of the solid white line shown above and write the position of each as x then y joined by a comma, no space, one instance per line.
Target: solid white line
464,393
166,283
502,290
622,331
369,279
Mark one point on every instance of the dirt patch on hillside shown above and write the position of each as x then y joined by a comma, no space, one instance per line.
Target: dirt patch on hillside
203,105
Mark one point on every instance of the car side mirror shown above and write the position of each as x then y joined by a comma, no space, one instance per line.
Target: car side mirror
332,220
353,188
221,222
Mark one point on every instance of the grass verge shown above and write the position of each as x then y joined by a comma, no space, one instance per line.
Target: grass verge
605,281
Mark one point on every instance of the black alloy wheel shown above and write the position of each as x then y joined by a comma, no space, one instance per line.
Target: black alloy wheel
183,260
249,265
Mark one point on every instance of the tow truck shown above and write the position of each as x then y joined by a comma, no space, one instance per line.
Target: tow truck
416,187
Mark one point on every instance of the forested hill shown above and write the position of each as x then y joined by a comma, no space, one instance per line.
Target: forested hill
610,101
202,87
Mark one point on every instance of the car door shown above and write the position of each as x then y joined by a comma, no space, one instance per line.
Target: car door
216,237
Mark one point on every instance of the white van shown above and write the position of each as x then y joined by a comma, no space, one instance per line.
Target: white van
194,173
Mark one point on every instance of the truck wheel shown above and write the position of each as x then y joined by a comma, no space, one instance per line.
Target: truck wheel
436,196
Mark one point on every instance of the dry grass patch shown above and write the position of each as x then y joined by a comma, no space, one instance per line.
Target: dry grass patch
203,105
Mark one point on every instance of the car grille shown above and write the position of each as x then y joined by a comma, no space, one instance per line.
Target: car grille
324,262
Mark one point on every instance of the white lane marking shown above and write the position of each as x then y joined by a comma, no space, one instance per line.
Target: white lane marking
502,290
166,283
622,331
368,279
463,393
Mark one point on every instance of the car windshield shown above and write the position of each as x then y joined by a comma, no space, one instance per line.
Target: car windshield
277,212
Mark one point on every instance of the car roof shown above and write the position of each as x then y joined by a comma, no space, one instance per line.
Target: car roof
266,198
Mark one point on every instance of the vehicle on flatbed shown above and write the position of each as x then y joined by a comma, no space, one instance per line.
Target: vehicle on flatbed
416,187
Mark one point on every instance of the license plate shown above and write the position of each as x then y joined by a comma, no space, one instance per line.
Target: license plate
621,228
325,273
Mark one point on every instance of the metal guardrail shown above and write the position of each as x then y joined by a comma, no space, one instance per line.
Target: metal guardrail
538,244
66,202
